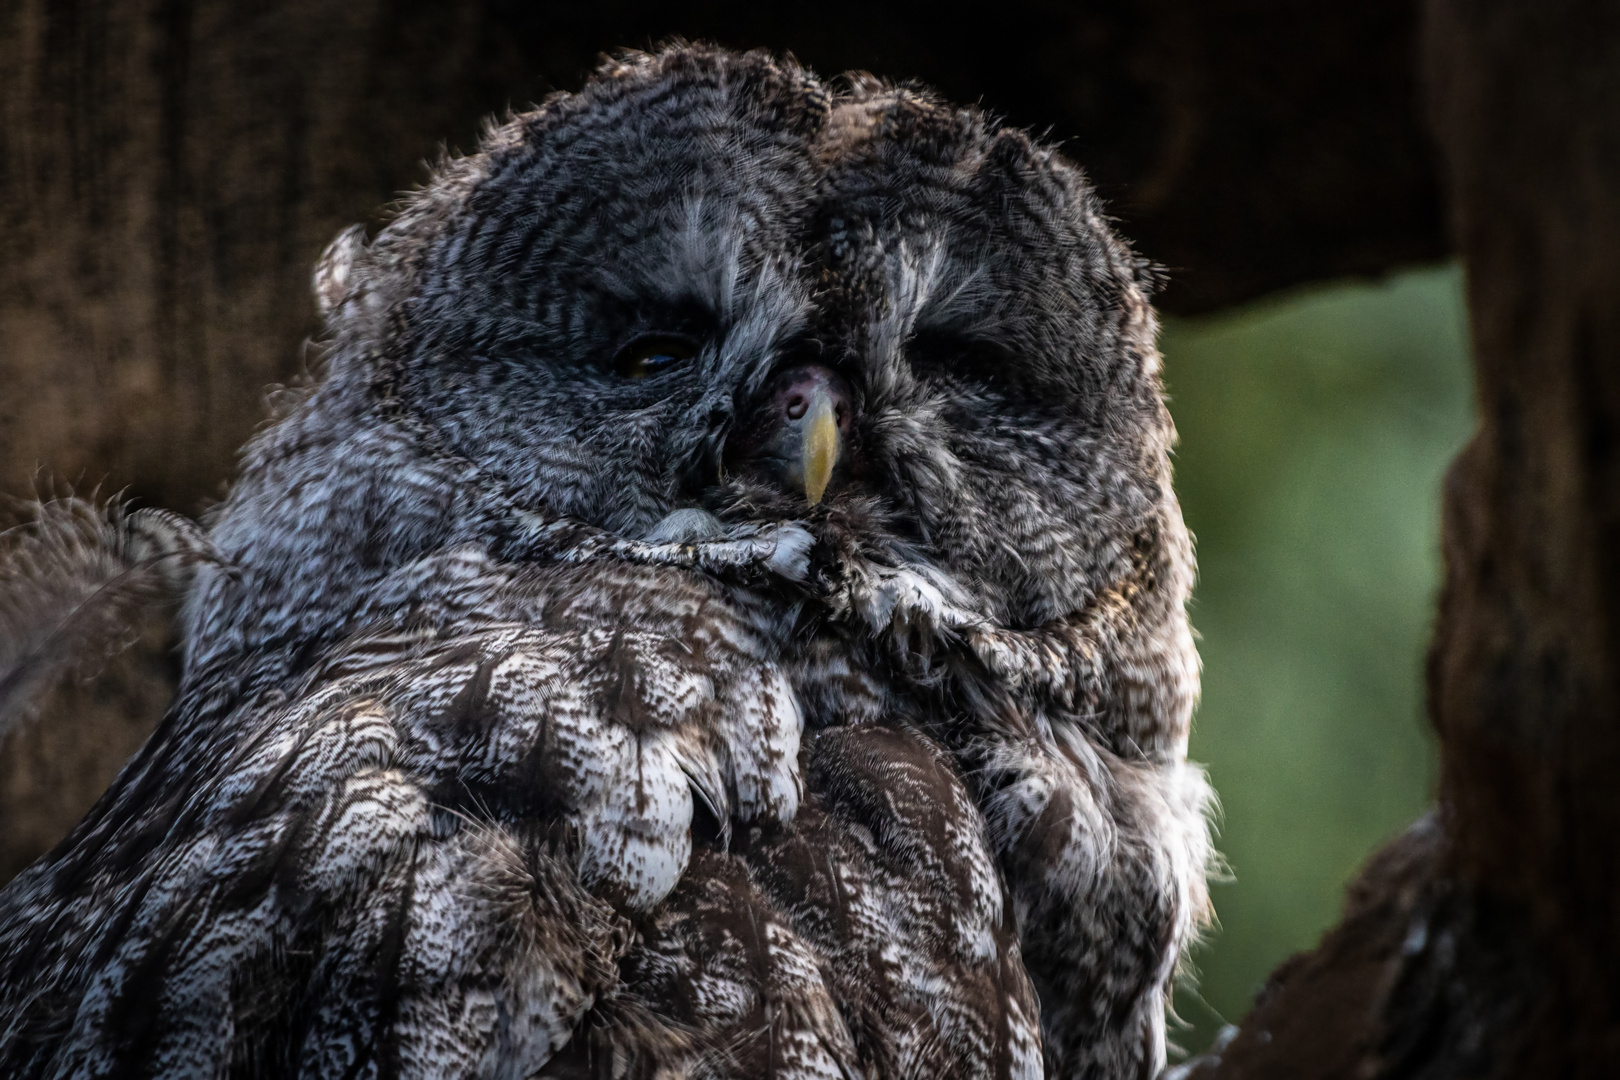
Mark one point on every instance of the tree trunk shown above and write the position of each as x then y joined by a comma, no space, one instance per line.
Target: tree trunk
1484,942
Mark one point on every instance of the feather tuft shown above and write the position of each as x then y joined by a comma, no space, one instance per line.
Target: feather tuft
75,577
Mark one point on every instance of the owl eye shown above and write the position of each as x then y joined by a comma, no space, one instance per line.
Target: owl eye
653,354
967,360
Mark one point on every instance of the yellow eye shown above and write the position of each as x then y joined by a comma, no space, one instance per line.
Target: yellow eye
653,354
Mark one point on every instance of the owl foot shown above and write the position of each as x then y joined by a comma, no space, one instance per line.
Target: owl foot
688,538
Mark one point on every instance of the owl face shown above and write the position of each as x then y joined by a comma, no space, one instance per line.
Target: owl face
709,281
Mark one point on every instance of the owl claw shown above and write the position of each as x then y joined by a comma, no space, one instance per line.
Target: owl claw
905,606
689,537
688,525
790,552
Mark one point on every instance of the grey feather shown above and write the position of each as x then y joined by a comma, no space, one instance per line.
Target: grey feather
538,719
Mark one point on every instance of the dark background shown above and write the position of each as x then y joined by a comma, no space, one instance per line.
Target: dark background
169,169
1308,173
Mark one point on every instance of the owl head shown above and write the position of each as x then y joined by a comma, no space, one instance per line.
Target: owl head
711,282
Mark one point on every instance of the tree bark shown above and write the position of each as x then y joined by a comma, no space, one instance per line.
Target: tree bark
1484,943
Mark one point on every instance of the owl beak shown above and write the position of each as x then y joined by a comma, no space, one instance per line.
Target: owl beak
819,444
799,434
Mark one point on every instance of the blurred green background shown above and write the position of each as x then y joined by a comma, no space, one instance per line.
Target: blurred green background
1314,433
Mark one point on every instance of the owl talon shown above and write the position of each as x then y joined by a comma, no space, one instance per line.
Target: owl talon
790,552
688,525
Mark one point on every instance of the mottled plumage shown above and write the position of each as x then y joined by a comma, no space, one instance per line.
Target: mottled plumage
539,716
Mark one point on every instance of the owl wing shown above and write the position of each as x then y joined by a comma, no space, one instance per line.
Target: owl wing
1074,737
420,864
889,873
718,983
870,936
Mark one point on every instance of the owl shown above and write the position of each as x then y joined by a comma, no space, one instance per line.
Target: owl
720,612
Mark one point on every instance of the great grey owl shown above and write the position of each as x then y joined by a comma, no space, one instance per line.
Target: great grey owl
720,612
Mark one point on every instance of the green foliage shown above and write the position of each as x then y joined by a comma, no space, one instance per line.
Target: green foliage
1314,434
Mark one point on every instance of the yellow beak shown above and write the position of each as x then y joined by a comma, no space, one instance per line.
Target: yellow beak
819,445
